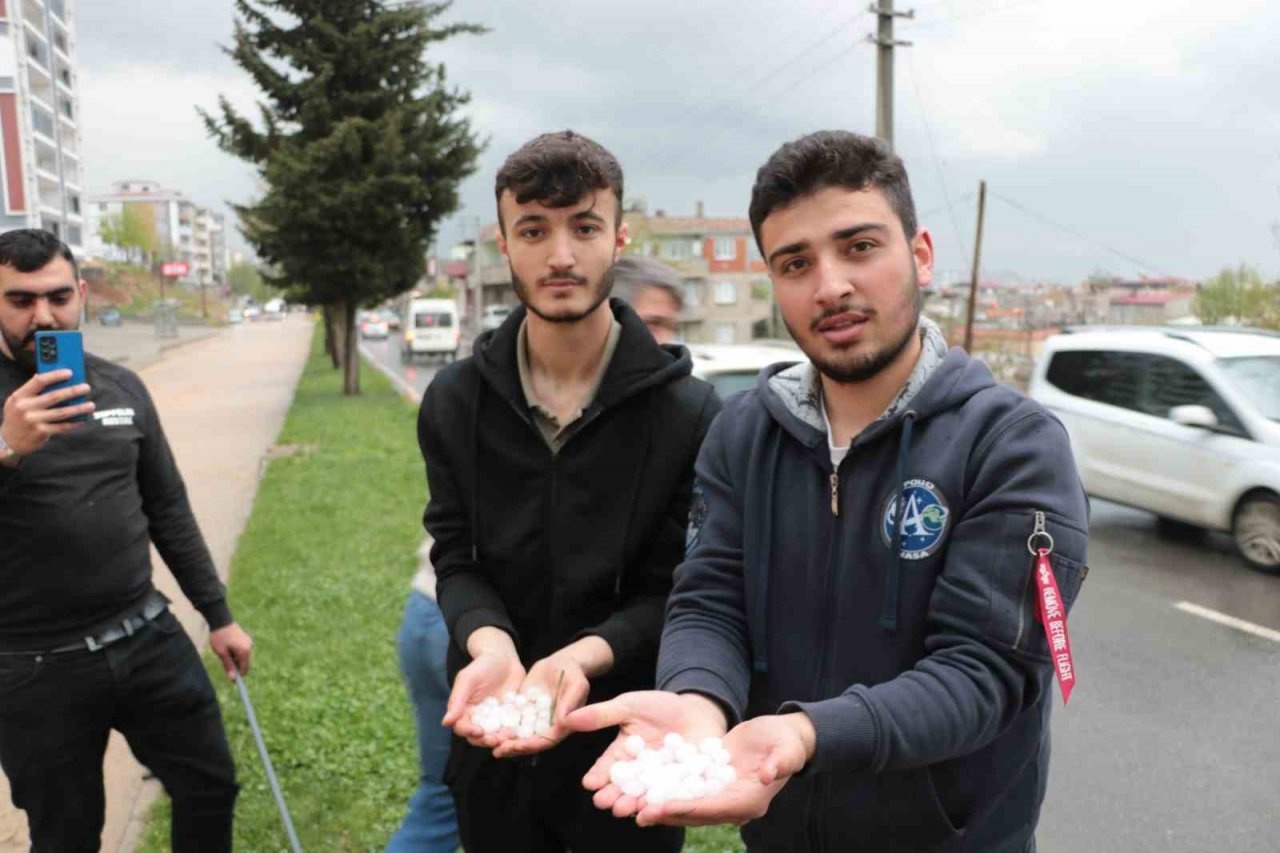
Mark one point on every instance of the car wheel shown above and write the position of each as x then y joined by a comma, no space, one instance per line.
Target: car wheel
1256,531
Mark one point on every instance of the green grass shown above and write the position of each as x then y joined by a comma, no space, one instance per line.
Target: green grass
320,577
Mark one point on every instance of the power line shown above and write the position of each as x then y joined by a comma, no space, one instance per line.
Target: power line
937,22
764,80
933,152
1069,230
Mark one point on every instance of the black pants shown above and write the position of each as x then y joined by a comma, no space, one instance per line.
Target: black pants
56,712
537,804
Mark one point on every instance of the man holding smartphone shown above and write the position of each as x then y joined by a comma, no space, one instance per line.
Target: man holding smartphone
87,644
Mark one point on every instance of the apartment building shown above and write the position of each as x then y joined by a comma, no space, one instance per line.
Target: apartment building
728,298
727,295
184,230
41,175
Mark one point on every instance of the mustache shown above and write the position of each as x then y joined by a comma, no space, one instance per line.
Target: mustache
867,312
574,277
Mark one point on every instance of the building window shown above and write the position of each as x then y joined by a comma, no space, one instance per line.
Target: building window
695,248
73,235
65,74
726,249
74,203
724,333
41,121
4,28
726,293
675,250
693,293
102,208
60,41
66,109
6,84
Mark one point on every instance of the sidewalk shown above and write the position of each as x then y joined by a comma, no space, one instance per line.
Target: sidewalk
135,345
222,399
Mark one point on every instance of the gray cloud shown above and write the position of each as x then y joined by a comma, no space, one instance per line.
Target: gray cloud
1154,134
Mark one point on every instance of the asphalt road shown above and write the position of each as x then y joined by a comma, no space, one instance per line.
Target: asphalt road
1171,743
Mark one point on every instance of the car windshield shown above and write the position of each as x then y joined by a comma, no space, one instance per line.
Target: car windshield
432,320
1257,378
731,382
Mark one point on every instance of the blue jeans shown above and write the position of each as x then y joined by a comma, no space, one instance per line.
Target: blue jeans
430,825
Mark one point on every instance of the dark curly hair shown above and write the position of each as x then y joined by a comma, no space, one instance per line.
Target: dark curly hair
831,158
558,169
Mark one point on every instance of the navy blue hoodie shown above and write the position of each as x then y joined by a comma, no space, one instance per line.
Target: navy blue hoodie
923,667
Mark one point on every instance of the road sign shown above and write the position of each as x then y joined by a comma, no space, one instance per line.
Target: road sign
175,269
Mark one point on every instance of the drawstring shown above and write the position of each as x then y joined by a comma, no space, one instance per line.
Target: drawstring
641,466
475,466
893,577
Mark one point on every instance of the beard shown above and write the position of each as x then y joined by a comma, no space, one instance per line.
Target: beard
18,348
851,368
599,293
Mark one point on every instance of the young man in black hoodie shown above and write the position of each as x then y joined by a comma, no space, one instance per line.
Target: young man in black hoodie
560,463
881,554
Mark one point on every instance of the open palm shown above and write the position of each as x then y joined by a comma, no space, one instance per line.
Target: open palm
651,714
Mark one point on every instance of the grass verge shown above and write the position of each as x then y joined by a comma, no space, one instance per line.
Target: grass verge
320,577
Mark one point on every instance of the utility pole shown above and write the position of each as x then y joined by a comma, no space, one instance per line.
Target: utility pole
977,266
885,44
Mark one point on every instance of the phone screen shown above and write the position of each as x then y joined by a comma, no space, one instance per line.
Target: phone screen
62,351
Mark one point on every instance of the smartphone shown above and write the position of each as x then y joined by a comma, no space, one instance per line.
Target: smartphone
62,351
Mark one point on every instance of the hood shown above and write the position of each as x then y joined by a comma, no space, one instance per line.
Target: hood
942,380
638,363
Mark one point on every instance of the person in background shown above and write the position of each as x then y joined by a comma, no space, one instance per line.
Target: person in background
430,825
653,291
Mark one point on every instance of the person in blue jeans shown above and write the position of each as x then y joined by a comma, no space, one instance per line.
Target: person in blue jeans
430,825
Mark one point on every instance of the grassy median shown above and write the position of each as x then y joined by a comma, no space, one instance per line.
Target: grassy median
319,577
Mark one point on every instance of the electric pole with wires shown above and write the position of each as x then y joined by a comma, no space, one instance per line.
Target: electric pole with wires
885,43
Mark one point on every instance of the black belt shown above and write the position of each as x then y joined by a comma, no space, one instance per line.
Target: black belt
154,606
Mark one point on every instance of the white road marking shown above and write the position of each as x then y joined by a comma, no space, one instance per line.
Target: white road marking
1230,621
405,388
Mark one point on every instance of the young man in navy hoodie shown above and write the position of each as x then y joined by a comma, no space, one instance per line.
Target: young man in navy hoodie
859,604
560,460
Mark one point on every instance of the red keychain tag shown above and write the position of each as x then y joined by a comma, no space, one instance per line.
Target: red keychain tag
1052,612
1054,618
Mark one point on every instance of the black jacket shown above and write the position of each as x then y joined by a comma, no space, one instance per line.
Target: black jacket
77,519
554,547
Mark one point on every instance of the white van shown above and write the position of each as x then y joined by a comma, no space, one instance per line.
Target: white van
431,327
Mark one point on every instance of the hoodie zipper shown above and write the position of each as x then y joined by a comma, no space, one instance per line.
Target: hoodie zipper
1039,530
835,493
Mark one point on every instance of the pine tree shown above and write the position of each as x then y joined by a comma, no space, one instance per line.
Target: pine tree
360,150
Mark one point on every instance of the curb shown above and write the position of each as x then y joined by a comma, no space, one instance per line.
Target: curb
406,390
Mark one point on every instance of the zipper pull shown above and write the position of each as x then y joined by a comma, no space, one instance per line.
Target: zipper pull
1040,532
835,494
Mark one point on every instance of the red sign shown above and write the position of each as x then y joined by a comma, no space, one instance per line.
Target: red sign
175,269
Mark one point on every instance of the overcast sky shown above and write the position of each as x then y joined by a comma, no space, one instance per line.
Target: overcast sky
1131,136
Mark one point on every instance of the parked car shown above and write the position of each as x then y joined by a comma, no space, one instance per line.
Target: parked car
253,313
372,326
393,320
1181,422
235,315
735,367
110,317
493,316
273,309
433,330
